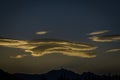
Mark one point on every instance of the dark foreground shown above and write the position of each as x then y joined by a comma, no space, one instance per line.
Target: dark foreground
61,74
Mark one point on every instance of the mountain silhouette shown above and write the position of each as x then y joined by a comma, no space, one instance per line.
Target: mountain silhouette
55,74
7,76
61,74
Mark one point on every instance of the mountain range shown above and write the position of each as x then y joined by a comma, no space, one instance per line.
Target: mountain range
61,74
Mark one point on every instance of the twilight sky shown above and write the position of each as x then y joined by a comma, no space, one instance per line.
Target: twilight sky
81,35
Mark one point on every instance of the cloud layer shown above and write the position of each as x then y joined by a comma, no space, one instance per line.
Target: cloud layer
41,47
107,38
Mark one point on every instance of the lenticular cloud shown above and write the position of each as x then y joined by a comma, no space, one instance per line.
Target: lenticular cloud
42,47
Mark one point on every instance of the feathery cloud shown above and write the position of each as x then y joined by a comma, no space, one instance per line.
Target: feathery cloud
41,32
98,32
113,50
18,56
41,47
107,38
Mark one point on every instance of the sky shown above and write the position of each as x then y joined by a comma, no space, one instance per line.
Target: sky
37,36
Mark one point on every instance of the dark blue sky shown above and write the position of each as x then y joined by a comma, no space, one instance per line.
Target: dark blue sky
22,19
67,20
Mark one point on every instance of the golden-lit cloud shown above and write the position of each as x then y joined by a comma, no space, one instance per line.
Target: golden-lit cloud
42,32
114,50
98,32
42,47
18,56
107,38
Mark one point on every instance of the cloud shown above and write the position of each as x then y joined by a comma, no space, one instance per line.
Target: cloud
18,56
42,47
113,50
107,38
41,32
98,32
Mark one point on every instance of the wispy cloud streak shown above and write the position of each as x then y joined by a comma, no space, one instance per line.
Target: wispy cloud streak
107,38
18,56
98,32
113,50
41,32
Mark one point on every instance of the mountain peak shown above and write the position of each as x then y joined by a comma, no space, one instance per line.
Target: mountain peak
54,74
63,69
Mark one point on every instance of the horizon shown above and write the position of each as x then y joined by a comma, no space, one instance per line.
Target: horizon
61,69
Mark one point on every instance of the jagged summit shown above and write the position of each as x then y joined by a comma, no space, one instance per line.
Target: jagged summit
62,70
54,74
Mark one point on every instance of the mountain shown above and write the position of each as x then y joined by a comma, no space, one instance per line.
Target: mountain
61,74
7,76
55,74
51,75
